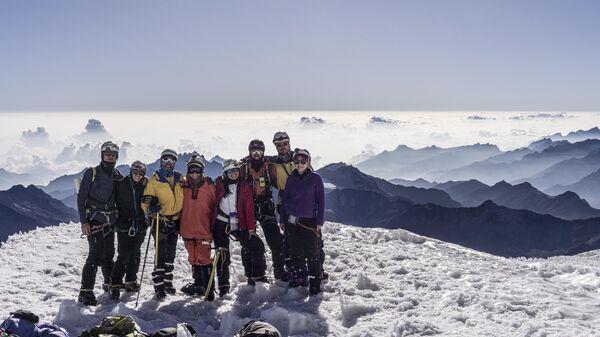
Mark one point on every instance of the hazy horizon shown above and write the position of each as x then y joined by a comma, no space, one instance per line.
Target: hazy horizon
59,143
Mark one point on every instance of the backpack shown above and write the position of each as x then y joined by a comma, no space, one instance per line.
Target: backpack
115,326
182,330
257,329
23,323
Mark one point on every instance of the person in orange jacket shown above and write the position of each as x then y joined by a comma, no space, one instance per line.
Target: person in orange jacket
199,204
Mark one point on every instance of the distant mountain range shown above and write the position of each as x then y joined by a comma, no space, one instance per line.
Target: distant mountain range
408,163
490,172
522,196
500,230
542,163
8,179
358,199
578,136
566,172
347,176
25,208
588,187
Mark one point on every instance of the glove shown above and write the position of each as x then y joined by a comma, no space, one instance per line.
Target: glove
149,200
153,209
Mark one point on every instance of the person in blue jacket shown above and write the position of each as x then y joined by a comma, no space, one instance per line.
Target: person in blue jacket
302,210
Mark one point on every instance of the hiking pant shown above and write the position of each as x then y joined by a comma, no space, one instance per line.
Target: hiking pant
305,258
101,243
253,253
321,252
198,251
268,223
128,257
162,276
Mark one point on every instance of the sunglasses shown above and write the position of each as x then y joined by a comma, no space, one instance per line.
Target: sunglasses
195,170
168,160
138,173
235,170
110,154
253,152
300,161
281,144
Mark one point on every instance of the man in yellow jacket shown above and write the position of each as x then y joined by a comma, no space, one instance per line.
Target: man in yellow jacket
163,198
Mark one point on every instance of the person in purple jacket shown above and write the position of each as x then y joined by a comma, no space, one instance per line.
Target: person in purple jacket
302,211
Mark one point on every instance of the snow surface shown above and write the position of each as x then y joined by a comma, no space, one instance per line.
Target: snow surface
383,283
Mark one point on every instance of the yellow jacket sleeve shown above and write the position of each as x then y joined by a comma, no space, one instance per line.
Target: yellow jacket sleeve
149,190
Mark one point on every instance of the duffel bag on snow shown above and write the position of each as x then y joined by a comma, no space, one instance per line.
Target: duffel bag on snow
115,326
258,329
23,323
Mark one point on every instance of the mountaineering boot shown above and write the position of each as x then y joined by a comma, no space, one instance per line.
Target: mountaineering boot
169,289
298,282
193,289
224,290
324,275
196,288
314,286
252,281
132,286
115,292
160,295
87,298
282,275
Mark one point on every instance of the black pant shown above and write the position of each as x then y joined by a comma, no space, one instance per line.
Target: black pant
101,252
162,276
305,253
287,253
268,222
253,253
128,258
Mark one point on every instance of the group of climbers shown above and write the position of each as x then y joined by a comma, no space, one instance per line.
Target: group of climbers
281,195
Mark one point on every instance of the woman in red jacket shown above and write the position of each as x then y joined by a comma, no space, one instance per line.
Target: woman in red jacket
234,216
199,205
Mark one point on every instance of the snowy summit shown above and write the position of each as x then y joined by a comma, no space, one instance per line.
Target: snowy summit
382,283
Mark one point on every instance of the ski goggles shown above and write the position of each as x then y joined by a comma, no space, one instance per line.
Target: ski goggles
168,159
256,152
195,169
300,161
282,143
233,170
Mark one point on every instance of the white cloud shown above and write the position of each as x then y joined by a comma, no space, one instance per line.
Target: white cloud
480,118
440,136
541,115
487,134
311,120
522,133
35,138
94,132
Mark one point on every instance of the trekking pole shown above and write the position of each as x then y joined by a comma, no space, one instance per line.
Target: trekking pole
156,241
212,273
143,267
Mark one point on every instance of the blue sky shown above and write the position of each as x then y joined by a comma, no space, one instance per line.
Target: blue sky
299,55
